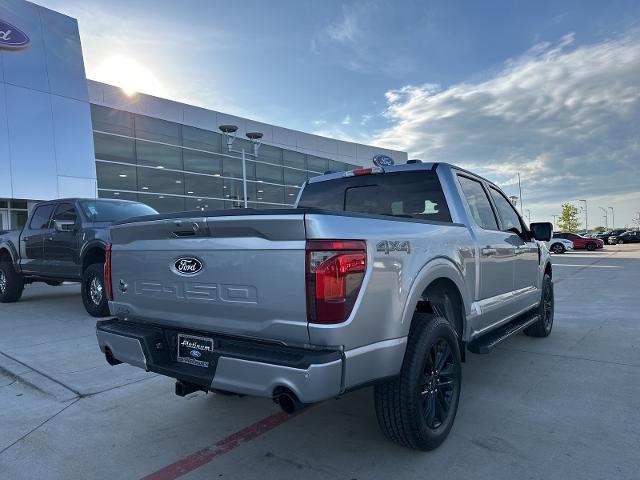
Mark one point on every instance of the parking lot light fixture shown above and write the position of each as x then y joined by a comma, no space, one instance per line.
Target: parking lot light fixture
606,220
586,218
613,218
230,132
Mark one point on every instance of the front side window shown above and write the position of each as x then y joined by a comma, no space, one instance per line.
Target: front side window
478,203
510,220
65,211
40,217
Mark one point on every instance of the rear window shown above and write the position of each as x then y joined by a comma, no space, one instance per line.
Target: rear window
113,211
413,194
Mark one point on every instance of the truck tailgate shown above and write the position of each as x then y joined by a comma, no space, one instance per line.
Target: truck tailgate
233,274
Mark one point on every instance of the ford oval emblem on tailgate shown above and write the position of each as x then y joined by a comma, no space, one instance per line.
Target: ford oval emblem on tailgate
188,266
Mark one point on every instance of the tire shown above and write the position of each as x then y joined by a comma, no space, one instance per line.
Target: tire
591,246
11,283
410,409
93,295
557,248
543,327
620,242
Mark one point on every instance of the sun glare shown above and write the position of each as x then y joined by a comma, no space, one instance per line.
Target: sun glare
129,75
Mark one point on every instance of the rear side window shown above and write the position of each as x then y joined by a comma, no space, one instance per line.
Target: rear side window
478,203
40,217
415,194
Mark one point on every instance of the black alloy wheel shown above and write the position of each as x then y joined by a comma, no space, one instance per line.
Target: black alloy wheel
544,325
439,383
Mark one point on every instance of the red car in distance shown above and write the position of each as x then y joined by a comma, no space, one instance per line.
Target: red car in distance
580,242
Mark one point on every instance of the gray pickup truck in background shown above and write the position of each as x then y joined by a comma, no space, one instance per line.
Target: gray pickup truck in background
63,240
381,276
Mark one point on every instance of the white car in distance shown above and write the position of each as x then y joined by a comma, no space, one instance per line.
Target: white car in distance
559,245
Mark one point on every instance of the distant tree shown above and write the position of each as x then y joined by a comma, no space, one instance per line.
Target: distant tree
568,221
599,230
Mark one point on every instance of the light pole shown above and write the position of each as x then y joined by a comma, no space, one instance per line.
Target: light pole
606,219
229,132
613,218
586,218
528,214
520,190
555,225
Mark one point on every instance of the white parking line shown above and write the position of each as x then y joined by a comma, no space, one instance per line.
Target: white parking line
586,266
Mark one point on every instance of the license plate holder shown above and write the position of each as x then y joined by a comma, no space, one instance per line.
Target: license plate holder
195,350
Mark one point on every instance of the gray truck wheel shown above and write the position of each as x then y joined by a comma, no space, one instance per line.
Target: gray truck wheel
557,248
418,408
94,295
542,328
11,284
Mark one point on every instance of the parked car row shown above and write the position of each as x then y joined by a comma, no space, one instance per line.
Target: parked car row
624,237
562,242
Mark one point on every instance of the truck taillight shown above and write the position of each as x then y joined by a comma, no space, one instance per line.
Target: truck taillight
107,272
335,271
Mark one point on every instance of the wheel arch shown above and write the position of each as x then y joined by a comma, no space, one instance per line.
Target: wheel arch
93,253
439,285
7,253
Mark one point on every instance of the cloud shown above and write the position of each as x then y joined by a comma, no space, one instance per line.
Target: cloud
567,117
353,40
346,120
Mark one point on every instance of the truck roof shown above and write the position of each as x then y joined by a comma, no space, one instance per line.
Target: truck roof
402,168
80,199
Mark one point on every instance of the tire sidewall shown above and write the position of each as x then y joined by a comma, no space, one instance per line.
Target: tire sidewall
95,270
14,284
547,280
412,372
591,247
553,248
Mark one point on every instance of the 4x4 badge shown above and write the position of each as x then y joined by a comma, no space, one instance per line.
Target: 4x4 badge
387,246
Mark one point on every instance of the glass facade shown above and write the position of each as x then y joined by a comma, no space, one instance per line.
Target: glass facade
13,214
174,167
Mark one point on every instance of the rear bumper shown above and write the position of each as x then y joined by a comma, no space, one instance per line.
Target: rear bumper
238,365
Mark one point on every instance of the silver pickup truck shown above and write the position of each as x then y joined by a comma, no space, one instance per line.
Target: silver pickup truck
379,276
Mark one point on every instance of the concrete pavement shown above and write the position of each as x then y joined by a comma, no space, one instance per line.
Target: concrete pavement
563,407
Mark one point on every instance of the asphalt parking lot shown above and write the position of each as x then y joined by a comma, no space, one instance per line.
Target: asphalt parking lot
563,407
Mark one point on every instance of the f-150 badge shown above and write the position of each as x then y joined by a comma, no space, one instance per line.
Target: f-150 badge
387,246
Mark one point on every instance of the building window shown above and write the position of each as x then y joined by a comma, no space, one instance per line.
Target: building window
173,167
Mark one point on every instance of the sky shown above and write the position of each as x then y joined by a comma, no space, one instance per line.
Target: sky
547,89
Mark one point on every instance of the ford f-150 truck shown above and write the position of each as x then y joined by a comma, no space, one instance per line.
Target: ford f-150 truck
63,240
379,276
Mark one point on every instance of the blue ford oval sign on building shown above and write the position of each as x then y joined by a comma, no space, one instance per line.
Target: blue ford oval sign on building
383,160
12,37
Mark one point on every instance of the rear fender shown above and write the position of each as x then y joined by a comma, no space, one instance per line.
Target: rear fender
437,268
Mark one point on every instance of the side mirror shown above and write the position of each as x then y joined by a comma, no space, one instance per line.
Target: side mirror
64,225
541,231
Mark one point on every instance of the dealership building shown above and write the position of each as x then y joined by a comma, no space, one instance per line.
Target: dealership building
62,135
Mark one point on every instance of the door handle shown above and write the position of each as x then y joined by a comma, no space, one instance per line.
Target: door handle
488,251
25,239
49,239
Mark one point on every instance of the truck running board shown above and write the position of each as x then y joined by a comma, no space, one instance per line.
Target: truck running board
488,342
